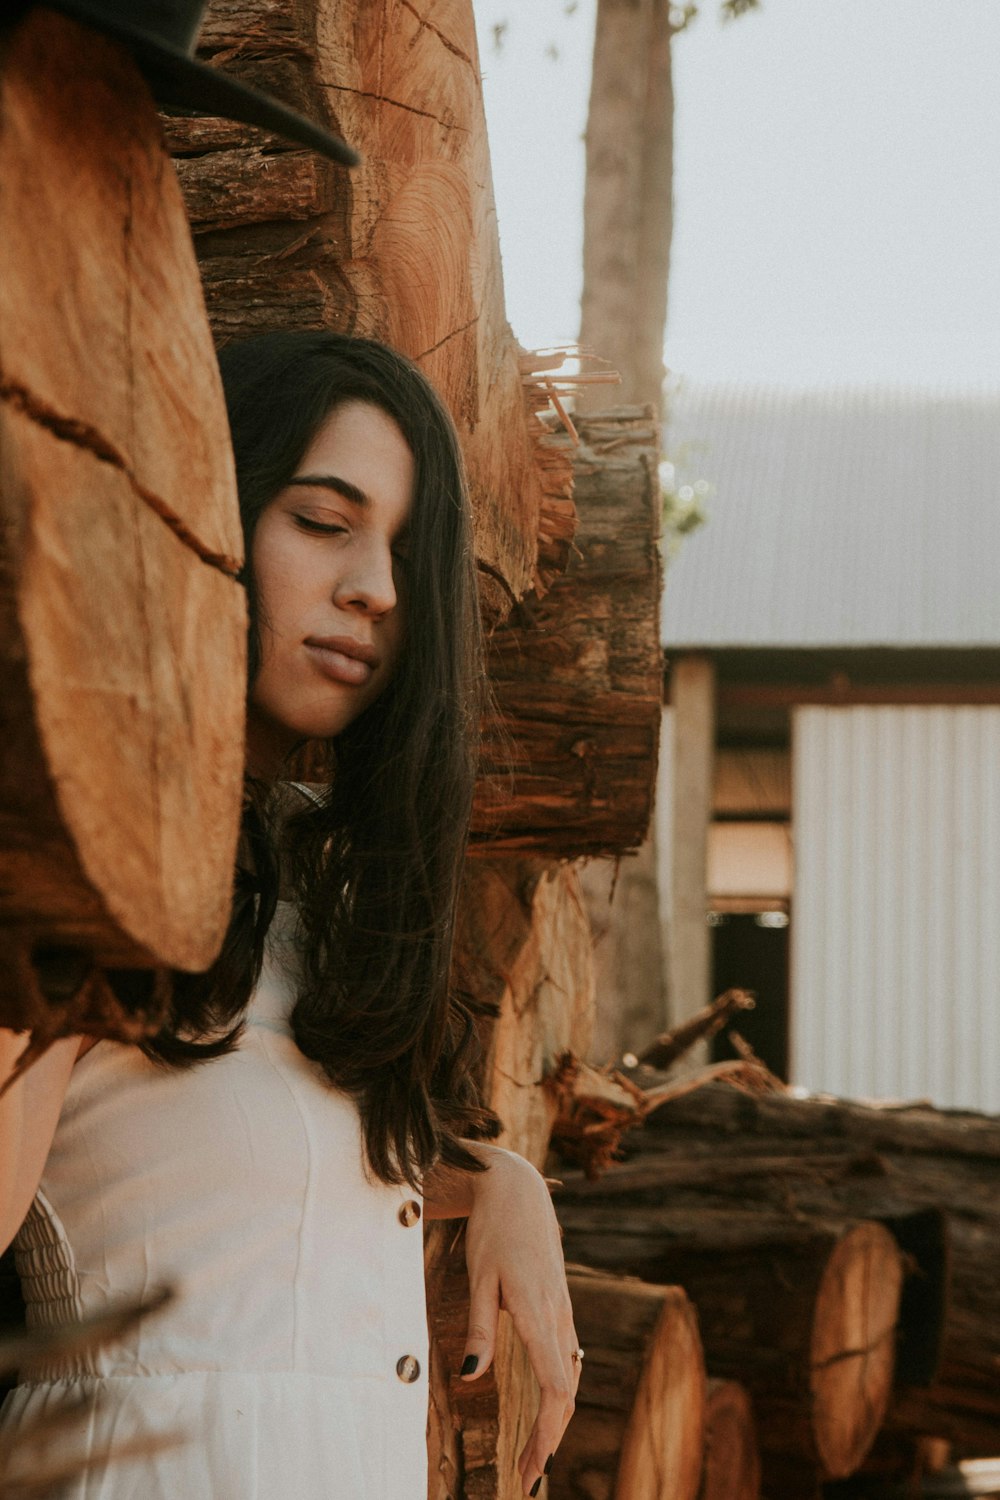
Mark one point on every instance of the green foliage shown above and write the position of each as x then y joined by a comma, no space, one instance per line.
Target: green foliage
684,499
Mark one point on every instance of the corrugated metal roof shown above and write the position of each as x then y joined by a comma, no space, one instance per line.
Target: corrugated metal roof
857,517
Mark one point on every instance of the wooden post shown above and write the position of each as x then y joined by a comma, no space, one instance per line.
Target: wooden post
692,697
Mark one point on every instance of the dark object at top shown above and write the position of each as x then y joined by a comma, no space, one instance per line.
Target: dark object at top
161,36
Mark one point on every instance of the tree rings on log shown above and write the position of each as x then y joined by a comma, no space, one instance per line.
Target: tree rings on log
122,625
638,1430
731,1469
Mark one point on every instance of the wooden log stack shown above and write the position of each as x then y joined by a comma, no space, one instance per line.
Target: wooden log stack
929,1175
804,1314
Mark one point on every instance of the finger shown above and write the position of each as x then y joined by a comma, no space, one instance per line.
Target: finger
481,1337
550,1352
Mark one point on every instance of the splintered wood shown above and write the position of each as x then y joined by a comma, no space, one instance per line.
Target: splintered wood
122,628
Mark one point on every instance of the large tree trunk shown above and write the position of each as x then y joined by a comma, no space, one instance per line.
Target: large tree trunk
638,1430
930,1176
122,628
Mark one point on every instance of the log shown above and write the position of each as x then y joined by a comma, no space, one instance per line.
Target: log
731,1465
578,674
523,958
930,1175
122,626
803,1313
404,248
638,1430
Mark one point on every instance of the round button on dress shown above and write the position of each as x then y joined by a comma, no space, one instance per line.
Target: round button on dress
409,1213
408,1369
242,1183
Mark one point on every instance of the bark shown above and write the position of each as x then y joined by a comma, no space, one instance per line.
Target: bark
804,1314
403,248
929,1175
570,752
524,955
638,1430
731,1468
122,628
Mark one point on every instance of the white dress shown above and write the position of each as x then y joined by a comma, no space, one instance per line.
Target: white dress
295,1356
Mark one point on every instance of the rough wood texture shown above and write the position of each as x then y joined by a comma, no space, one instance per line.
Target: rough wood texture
639,1425
930,1175
577,674
731,1467
404,248
524,952
804,1314
122,629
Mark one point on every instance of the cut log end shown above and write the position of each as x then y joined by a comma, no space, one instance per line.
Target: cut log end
639,1426
853,1345
731,1468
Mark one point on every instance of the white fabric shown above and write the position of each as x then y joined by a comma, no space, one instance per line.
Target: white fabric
241,1181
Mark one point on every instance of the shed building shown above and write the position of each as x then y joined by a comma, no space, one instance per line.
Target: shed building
830,802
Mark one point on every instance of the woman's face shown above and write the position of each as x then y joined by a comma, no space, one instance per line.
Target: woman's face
327,562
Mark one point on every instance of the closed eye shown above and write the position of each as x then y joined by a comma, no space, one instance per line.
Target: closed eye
321,528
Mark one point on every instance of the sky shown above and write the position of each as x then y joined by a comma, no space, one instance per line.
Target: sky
837,186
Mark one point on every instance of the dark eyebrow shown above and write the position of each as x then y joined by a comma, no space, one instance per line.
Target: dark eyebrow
332,482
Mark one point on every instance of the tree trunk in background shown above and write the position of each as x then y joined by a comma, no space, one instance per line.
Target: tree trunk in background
627,209
628,221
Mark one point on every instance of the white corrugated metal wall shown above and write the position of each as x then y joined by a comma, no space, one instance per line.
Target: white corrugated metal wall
896,912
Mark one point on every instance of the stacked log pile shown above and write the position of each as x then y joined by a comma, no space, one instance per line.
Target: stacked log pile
841,1258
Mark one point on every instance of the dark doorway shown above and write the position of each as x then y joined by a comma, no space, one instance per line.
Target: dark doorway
750,952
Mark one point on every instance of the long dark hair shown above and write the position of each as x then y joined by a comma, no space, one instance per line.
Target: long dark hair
375,867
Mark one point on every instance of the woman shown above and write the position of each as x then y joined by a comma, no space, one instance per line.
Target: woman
274,1147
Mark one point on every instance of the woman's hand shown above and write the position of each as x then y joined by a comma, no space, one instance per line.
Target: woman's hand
515,1260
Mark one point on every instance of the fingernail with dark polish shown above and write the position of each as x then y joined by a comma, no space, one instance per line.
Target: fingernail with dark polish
536,1486
548,1463
470,1364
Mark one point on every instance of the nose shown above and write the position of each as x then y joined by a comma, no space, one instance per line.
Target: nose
367,583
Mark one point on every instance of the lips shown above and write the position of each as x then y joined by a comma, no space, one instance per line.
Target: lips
343,659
